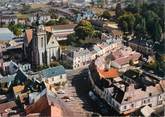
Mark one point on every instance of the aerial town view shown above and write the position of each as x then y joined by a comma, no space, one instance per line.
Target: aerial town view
82,58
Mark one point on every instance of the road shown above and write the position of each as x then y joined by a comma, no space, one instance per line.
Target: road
78,88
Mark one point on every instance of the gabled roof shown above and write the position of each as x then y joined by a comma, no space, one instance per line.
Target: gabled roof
48,100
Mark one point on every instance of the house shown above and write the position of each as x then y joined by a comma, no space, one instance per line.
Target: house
81,57
43,17
25,66
85,15
20,93
8,108
78,58
123,57
142,46
53,76
48,104
6,19
62,31
129,92
50,78
116,33
40,47
9,67
5,82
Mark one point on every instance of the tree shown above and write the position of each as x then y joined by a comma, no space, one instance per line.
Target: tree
132,8
153,25
124,26
51,22
17,32
129,19
157,31
140,28
16,29
53,14
106,15
63,20
84,29
118,10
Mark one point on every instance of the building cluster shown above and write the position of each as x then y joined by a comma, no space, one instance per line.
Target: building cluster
32,93
7,18
41,44
31,74
129,92
80,57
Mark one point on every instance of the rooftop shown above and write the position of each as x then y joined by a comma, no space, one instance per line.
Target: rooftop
6,34
54,71
7,105
111,73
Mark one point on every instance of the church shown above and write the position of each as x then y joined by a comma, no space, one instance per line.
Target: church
40,46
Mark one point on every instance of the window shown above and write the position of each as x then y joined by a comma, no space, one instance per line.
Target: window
160,102
160,97
144,101
125,107
42,43
132,105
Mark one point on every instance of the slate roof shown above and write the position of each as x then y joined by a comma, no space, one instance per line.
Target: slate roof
6,79
54,71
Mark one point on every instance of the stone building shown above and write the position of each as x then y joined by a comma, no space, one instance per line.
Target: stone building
40,46
127,93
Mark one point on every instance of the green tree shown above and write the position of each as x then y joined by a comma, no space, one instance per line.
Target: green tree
53,14
140,29
157,31
118,10
132,8
51,22
129,19
84,29
63,20
153,25
124,26
106,15
17,29
17,32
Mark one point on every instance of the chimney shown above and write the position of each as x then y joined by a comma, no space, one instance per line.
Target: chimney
107,64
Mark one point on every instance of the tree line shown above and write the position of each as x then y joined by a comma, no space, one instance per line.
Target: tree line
144,21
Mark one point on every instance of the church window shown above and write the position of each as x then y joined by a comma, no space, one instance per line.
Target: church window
42,44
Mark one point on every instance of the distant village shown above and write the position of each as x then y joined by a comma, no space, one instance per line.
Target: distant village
110,45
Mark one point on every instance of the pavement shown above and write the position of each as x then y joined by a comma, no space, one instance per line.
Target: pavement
77,90
75,94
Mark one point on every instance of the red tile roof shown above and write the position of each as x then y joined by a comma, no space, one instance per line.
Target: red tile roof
5,106
111,73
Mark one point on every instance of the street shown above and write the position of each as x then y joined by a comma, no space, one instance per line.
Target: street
77,91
